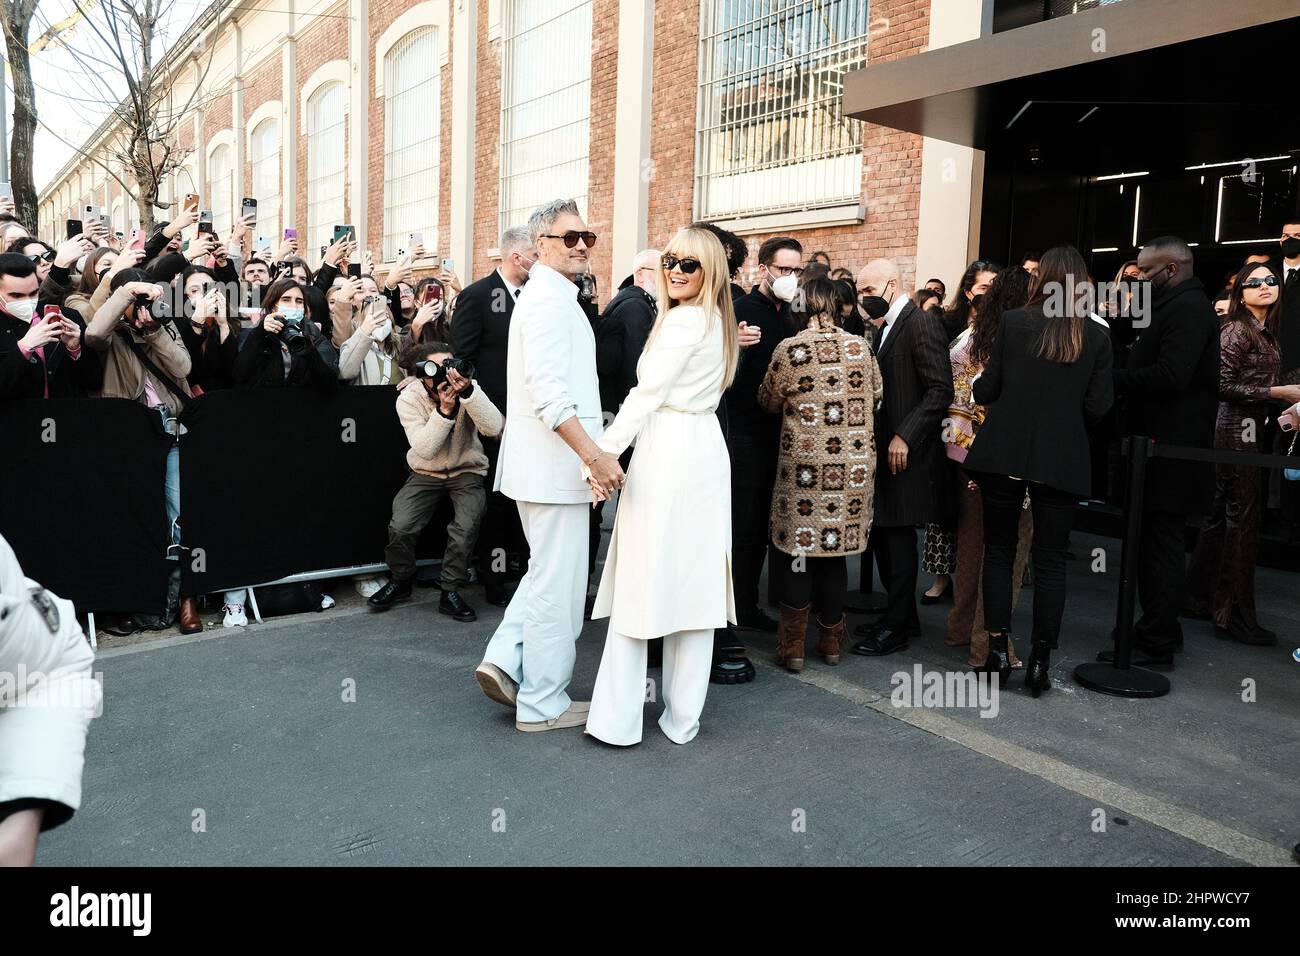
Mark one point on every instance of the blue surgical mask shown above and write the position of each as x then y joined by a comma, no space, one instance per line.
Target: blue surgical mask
292,315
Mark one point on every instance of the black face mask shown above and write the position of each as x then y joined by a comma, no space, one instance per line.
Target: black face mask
976,299
876,306
1290,247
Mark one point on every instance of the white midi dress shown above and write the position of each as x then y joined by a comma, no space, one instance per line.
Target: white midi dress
668,568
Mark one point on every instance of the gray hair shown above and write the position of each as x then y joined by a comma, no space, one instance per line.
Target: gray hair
543,218
515,239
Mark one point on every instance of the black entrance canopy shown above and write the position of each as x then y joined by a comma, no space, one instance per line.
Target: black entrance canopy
1113,82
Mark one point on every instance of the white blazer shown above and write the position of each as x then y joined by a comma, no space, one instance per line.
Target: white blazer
550,377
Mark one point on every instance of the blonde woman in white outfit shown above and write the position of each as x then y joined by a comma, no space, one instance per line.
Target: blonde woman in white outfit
668,570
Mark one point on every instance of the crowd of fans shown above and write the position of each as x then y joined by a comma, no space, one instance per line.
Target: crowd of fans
977,414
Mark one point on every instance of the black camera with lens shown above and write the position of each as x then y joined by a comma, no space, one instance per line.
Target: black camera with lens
159,309
463,367
292,335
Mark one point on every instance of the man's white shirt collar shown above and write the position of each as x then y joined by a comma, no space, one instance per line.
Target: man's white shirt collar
895,308
510,286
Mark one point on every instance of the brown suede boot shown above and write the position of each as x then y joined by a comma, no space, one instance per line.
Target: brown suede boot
830,640
189,615
791,635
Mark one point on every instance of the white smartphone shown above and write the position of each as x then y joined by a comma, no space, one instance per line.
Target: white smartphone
449,265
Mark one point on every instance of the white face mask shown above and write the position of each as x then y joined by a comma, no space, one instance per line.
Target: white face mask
23,309
382,332
785,287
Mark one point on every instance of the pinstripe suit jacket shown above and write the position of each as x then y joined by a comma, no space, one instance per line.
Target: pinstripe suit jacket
918,390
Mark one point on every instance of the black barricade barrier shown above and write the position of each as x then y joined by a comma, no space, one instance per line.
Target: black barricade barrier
82,500
277,482
1119,677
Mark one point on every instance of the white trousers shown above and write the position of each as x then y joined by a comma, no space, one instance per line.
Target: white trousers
535,641
621,693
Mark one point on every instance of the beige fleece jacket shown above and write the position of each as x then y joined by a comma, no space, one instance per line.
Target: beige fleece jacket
442,447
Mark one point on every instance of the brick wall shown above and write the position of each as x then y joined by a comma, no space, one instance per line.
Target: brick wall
600,157
487,155
892,160
672,118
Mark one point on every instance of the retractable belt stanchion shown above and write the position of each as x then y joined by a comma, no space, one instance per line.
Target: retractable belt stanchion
1120,678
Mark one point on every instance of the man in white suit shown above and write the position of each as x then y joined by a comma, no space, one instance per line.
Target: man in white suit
553,417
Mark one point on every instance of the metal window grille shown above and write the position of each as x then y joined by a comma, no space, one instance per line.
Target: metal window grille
221,184
265,161
545,105
411,142
326,166
771,133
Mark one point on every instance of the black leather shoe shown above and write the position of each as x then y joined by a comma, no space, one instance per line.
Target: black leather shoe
867,630
390,594
123,625
873,606
1140,658
756,620
498,595
882,641
454,605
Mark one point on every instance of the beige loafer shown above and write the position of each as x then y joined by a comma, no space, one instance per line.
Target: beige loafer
496,683
570,718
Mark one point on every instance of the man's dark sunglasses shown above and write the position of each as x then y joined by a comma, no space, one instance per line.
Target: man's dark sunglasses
688,266
571,238
1269,281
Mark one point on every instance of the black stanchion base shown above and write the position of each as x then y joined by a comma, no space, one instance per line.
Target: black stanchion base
1133,682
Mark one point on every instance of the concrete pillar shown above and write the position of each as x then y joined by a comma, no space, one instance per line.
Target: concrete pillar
952,176
633,172
358,120
289,126
464,56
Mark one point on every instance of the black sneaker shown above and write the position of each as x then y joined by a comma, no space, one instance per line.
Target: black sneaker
454,605
390,594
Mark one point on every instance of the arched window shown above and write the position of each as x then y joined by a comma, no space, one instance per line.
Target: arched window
264,155
221,189
411,141
326,163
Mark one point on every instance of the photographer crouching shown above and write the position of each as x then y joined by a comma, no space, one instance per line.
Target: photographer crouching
443,411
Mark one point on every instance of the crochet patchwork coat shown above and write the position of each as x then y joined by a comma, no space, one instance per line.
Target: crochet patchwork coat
825,384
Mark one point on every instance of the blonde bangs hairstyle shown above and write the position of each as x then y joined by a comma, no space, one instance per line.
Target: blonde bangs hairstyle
715,293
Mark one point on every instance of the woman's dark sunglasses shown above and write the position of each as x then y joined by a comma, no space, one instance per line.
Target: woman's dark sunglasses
688,266
1255,283
571,238
42,256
